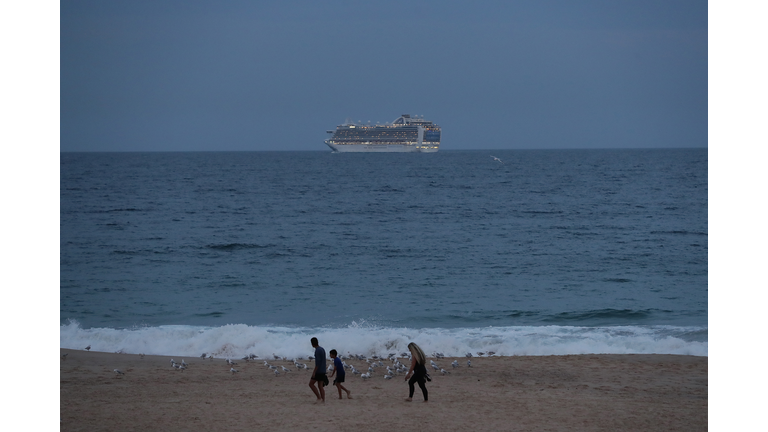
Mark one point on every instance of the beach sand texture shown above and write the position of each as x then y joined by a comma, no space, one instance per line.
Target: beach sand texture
522,393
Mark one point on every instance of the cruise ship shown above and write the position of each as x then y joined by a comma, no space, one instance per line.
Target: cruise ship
405,134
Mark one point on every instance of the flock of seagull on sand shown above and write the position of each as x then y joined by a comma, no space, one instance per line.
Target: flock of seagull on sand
395,367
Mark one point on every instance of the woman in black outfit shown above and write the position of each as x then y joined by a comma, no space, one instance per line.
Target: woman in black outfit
418,369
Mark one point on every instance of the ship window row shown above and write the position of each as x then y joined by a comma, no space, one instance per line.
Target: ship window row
377,135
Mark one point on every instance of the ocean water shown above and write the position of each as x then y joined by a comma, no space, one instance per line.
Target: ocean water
549,252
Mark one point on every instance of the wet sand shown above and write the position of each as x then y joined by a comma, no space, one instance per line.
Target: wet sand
553,393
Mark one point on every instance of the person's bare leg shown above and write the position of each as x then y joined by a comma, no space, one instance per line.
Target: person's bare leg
314,390
322,391
338,387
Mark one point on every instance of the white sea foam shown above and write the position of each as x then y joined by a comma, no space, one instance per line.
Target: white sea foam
237,340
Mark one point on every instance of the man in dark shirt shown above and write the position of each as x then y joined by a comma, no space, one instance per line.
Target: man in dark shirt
319,373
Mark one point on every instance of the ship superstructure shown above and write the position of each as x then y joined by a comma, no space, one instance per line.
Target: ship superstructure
405,134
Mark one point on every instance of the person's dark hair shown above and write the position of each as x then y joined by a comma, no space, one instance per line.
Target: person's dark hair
313,341
333,352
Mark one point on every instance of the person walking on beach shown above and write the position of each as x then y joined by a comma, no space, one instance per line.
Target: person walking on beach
319,373
419,371
338,370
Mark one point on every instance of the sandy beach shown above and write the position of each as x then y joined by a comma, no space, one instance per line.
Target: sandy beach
554,393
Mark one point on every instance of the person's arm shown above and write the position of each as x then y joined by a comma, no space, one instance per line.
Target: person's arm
413,366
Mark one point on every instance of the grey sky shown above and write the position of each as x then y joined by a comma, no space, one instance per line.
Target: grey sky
273,75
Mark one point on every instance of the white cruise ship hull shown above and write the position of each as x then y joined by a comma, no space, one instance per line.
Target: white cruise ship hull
381,148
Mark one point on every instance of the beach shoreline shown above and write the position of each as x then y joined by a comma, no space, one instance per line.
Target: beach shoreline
569,392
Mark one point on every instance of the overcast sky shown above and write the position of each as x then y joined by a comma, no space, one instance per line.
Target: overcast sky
275,75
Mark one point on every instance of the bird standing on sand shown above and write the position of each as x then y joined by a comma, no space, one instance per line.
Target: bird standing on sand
183,363
88,348
443,371
233,370
285,369
64,356
119,372
455,363
469,363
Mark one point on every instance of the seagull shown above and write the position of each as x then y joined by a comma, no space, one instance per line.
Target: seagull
497,159
285,369
203,355
468,355
64,356
233,370
277,372
455,363
469,363
387,376
119,372
443,371
435,367
182,367
141,355
88,348
183,363
365,376
273,367
480,353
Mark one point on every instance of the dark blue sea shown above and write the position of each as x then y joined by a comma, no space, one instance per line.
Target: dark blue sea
547,252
